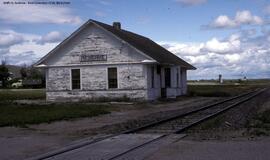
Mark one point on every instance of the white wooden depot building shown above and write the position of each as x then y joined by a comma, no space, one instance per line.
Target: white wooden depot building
100,61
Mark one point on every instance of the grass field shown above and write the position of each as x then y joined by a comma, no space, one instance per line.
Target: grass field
13,114
20,115
18,94
220,90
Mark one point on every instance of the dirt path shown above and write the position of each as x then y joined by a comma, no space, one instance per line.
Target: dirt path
19,143
214,150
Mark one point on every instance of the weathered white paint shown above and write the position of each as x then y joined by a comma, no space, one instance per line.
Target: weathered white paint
94,78
97,42
97,95
134,76
153,93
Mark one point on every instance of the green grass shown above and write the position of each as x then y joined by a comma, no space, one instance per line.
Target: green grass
17,94
21,115
218,90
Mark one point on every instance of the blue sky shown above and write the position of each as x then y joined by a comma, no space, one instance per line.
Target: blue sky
229,37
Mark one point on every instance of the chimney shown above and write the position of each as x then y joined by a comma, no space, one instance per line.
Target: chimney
117,25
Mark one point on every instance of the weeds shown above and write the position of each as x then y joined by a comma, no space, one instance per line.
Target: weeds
21,115
218,90
260,124
18,94
212,123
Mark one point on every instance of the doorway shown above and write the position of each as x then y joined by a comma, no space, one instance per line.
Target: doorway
167,77
167,73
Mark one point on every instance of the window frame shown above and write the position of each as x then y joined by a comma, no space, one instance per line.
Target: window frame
108,78
71,79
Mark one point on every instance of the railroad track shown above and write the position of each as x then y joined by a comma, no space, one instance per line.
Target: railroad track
179,123
165,127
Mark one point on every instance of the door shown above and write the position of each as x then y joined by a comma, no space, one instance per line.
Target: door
167,74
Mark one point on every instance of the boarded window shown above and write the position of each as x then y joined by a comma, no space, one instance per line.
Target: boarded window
112,77
76,78
153,77
167,77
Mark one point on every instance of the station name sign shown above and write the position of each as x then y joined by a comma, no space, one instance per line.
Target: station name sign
91,58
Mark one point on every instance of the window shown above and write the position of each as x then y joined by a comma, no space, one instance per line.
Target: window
167,77
76,79
153,77
112,77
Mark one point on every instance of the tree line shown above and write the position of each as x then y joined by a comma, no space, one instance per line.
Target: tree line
28,75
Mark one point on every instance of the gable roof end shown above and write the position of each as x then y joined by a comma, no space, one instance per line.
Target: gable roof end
40,62
143,44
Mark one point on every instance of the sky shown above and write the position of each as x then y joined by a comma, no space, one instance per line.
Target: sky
228,37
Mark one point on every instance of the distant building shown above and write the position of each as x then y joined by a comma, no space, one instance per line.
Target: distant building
220,80
103,61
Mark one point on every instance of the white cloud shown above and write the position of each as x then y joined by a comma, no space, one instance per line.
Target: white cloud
241,18
21,59
30,13
228,46
29,50
245,17
51,37
231,46
8,38
231,57
39,50
191,2
223,21
183,48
